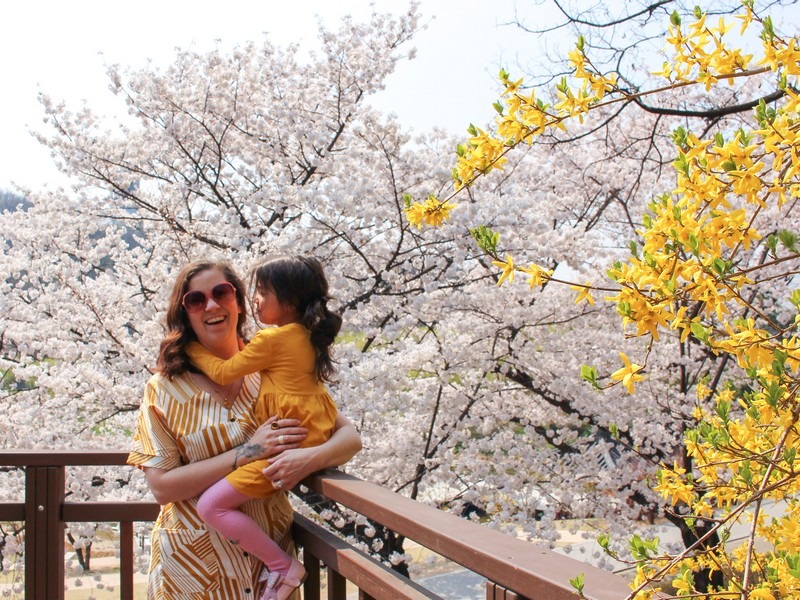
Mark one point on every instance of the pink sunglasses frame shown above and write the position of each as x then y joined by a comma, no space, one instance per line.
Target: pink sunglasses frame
217,294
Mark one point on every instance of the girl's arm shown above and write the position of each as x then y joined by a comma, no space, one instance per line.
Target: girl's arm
293,466
187,481
255,356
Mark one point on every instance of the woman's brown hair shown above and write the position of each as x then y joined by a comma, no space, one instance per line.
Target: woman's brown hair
172,357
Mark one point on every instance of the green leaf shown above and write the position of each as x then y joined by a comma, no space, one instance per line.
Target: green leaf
795,298
577,583
680,138
745,473
723,410
772,245
486,239
589,374
681,163
720,266
675,18
768,32
773,393
604,540
729,165
788,239
700,332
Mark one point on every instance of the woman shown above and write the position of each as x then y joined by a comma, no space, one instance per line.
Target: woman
192,432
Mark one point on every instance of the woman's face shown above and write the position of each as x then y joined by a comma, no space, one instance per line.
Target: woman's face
214,324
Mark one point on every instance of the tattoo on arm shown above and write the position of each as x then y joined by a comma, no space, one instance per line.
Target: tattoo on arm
249,451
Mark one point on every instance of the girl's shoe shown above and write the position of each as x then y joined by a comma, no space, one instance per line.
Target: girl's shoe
280,586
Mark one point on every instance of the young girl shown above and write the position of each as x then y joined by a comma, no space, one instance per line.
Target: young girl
295,360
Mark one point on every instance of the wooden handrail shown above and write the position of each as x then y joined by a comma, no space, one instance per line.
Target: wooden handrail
517,565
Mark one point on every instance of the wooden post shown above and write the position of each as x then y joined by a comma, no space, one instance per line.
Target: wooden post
44,533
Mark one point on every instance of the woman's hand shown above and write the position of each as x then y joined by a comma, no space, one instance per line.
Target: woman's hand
271,438
290,467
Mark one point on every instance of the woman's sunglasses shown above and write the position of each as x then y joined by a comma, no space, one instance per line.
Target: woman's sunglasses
196,301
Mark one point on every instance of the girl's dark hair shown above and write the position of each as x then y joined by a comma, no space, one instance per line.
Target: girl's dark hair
172,357
300,281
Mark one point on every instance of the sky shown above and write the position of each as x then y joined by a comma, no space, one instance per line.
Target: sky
60,48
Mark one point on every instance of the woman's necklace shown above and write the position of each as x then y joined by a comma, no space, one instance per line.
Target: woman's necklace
225,394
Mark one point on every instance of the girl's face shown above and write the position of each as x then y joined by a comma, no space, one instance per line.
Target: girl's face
272,311
214,319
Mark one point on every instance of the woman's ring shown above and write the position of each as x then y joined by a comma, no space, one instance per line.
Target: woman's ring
278,484
275,425
281,440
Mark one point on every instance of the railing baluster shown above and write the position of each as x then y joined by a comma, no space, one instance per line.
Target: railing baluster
312,585
126,560
498,592
337,585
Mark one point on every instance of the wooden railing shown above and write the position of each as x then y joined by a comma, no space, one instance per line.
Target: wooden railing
513,568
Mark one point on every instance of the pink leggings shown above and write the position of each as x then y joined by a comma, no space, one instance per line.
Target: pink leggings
218,508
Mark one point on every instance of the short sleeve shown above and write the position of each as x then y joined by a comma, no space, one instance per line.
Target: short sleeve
154,444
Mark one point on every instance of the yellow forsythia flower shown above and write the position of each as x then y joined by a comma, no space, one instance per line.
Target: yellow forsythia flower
702,391
432,212
538,275
584,293
761,594
508,269
629,374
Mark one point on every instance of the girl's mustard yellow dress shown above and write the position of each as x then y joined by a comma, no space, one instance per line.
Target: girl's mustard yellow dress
289,389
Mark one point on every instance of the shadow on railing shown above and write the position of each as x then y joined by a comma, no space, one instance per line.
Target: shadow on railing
513,568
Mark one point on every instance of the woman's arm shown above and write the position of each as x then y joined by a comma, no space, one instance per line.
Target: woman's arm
187,481
292,466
